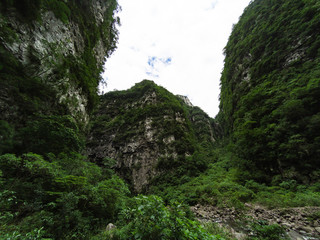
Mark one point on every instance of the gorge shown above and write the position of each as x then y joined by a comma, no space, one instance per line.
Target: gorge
72,162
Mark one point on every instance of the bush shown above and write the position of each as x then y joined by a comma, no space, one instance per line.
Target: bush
53,134
36,234
215,229
60,10
149,218
66,195
263,231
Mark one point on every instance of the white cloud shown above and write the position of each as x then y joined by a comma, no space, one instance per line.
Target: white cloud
191,33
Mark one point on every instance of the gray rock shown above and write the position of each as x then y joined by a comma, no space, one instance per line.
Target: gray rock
293,235
110,227
42,46
306,229
287,225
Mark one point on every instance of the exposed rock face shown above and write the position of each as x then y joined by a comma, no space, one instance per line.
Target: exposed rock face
136,156
140,127
186,100
299,223
270,88
41,46
52,49
206,128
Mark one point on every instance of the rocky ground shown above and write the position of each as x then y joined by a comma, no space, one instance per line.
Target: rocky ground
300,223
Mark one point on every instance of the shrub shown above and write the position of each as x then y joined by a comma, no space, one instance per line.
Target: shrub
54,134
263,231
66,195
36,234
60,10
215,229
149,218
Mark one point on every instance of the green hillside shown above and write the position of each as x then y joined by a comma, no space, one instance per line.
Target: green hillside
74,165
270,90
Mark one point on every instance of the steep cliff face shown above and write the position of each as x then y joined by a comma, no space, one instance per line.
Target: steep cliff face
270,87
148,131
50,45
51,56
52,53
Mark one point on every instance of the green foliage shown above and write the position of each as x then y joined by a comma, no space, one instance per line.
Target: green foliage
59,195
85,71
224,185
6,31
125,117
60,10
27,93
314,216
263,231
148,218
36,234
86,74
30,93
214,229
67,196
269,106
282,196
184,166
216,186
270,87
202,126
54,134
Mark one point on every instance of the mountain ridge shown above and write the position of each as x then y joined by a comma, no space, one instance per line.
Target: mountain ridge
146,123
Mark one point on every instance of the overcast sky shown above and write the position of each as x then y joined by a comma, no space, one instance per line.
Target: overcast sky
176,43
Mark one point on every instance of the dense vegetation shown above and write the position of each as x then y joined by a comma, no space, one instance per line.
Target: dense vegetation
263,147
123,114
270,90
29,96
224,185
47,188
149,218
64,196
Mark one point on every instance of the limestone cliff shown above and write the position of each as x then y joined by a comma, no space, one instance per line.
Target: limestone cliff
146,129
270,89
51,57
55,46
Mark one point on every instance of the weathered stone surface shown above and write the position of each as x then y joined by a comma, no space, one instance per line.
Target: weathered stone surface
294,220
136,156
142,126
186,100
110,227
41,47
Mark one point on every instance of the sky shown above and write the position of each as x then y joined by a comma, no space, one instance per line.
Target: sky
176,43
